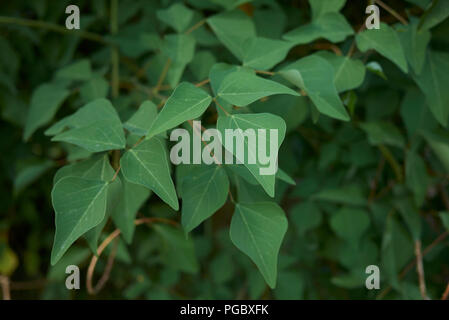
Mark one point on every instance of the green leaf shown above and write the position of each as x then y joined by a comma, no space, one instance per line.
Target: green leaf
415,113
95,88
254,121
383,133
439,142
177,251
410,214
147,165
416,176
187,102
29,174
321,7
349,194
205,191
306,216
177,16
331,26
436,14
242,88
95,127
415,44
94,168
432,82
445,218
348,73
397,250
385,41
141,122
264,53
315,76
349,223
219,71
130,200
45,102
78,71
257,229
233,28
80,205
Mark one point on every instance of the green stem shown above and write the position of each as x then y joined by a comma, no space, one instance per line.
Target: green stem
392,161
115,78
53,27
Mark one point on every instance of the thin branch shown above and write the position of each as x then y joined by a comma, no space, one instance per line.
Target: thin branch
446,293
391,11
392,161
202,83
223,109
162,76
4,282
93,262
53,27
270,73
410,266
420,270
196,26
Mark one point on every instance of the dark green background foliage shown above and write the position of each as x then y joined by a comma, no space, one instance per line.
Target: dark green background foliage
85,120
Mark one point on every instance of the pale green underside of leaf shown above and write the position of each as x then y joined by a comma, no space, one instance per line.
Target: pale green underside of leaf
80,205
258,229
147,165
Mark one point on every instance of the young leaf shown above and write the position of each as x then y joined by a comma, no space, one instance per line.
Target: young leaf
80,205
45,102
187,102
242,88
243,122
95,127
205,191
385,41
315,76
147,165
257,229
